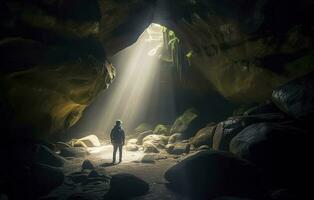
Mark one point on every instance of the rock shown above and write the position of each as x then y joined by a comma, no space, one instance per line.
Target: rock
296,98
209,174
62,145
204,136
161,129
203,147
131,147
278,149
158,140
78,177
87,164
148,158
175,138
143,127
132,141
79,144
142,135
44,178
126,186
150,148
74,152
45,156
90,141
268,107
182,122
179,149
228,129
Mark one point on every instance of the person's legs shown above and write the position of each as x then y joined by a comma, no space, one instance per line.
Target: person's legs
120,152
115,147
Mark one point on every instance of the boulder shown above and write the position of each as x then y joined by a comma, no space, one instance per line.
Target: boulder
126,186
179,149
175,138
268,107
228,129
44,178
182,122
203,147
296,98
45,156
280,150
143,127
132,141
150,147
131,147
87,164
209,174
62,145
79,144
158,140
74,152
142,135
78,177
148,158
161,129
90,141
204,136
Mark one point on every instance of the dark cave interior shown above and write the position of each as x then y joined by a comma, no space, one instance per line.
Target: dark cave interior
216,99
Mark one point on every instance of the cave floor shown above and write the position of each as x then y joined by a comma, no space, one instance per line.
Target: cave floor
101,157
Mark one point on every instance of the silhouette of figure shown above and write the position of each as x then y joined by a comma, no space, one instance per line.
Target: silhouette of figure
117,140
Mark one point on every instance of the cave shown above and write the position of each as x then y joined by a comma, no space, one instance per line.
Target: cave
156,99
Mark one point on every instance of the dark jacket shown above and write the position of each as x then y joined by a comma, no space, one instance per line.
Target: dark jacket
117,135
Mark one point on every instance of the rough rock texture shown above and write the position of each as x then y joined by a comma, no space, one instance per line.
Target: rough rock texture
228,129
176,137
207,174
204,136
142,135
74,152
244,48
126,186
90,141
281,150
296,98
158,140
182,122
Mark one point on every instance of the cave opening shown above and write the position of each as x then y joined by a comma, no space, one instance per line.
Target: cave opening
144,89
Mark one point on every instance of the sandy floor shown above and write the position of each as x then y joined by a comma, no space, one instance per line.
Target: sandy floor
101,157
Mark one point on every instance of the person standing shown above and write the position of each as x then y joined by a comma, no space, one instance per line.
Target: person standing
117,137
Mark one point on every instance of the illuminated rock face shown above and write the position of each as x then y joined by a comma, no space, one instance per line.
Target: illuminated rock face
245,48
54,58
54,53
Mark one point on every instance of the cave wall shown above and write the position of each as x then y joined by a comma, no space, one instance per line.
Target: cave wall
244,48
55,53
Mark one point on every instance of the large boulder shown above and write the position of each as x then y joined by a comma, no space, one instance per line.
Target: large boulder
280,150
182,122
90,141
296,98
161,129
176,137
126,186
204,136
74,152
158,140
142,135
179,148
150,147
44,178
268,107
228,129
207,174
45,156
